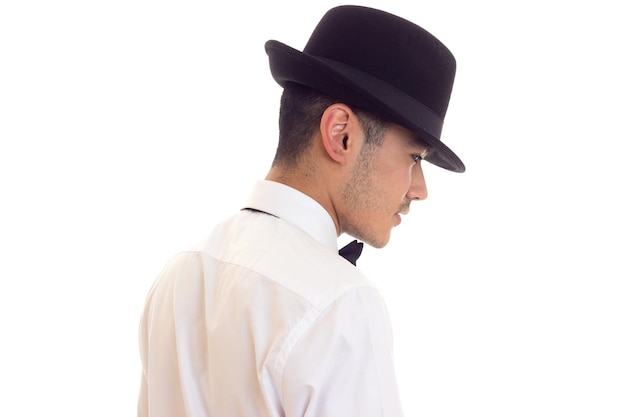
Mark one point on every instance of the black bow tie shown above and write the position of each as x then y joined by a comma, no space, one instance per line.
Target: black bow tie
352,251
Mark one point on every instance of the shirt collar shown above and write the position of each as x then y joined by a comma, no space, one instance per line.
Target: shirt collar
295,207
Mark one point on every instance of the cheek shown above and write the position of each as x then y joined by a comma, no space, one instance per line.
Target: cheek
405,177
409,174
395,188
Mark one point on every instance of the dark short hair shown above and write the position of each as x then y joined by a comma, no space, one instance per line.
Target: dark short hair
301,109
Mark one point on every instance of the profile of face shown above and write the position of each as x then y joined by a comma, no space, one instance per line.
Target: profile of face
384,180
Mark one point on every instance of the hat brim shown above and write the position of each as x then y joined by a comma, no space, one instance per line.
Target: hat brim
364,91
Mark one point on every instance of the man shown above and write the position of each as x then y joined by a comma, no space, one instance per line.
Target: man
265,318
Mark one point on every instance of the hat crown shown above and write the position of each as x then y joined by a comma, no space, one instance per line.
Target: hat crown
390,49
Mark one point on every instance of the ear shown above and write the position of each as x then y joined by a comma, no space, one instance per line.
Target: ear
337,128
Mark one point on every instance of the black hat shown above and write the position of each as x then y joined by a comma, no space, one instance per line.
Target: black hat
380,63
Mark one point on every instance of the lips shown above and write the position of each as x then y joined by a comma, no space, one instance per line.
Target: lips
404,210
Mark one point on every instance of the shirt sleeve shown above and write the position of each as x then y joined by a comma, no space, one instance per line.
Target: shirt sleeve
343,365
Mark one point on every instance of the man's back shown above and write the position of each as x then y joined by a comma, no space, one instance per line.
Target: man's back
263,319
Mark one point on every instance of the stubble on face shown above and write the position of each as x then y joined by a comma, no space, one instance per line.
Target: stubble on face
363,198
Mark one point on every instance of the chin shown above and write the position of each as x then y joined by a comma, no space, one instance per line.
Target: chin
376,239
377,242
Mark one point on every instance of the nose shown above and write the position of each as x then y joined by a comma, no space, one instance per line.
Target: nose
417,189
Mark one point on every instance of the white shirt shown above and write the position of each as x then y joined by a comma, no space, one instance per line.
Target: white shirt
264,318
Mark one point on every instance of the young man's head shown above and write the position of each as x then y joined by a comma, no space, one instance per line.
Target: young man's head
363,170
364,103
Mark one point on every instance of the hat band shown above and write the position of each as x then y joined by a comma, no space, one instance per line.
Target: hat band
411,110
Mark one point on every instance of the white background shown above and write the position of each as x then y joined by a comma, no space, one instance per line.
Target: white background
129,127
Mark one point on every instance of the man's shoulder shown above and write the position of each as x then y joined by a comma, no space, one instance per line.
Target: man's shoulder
283,254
